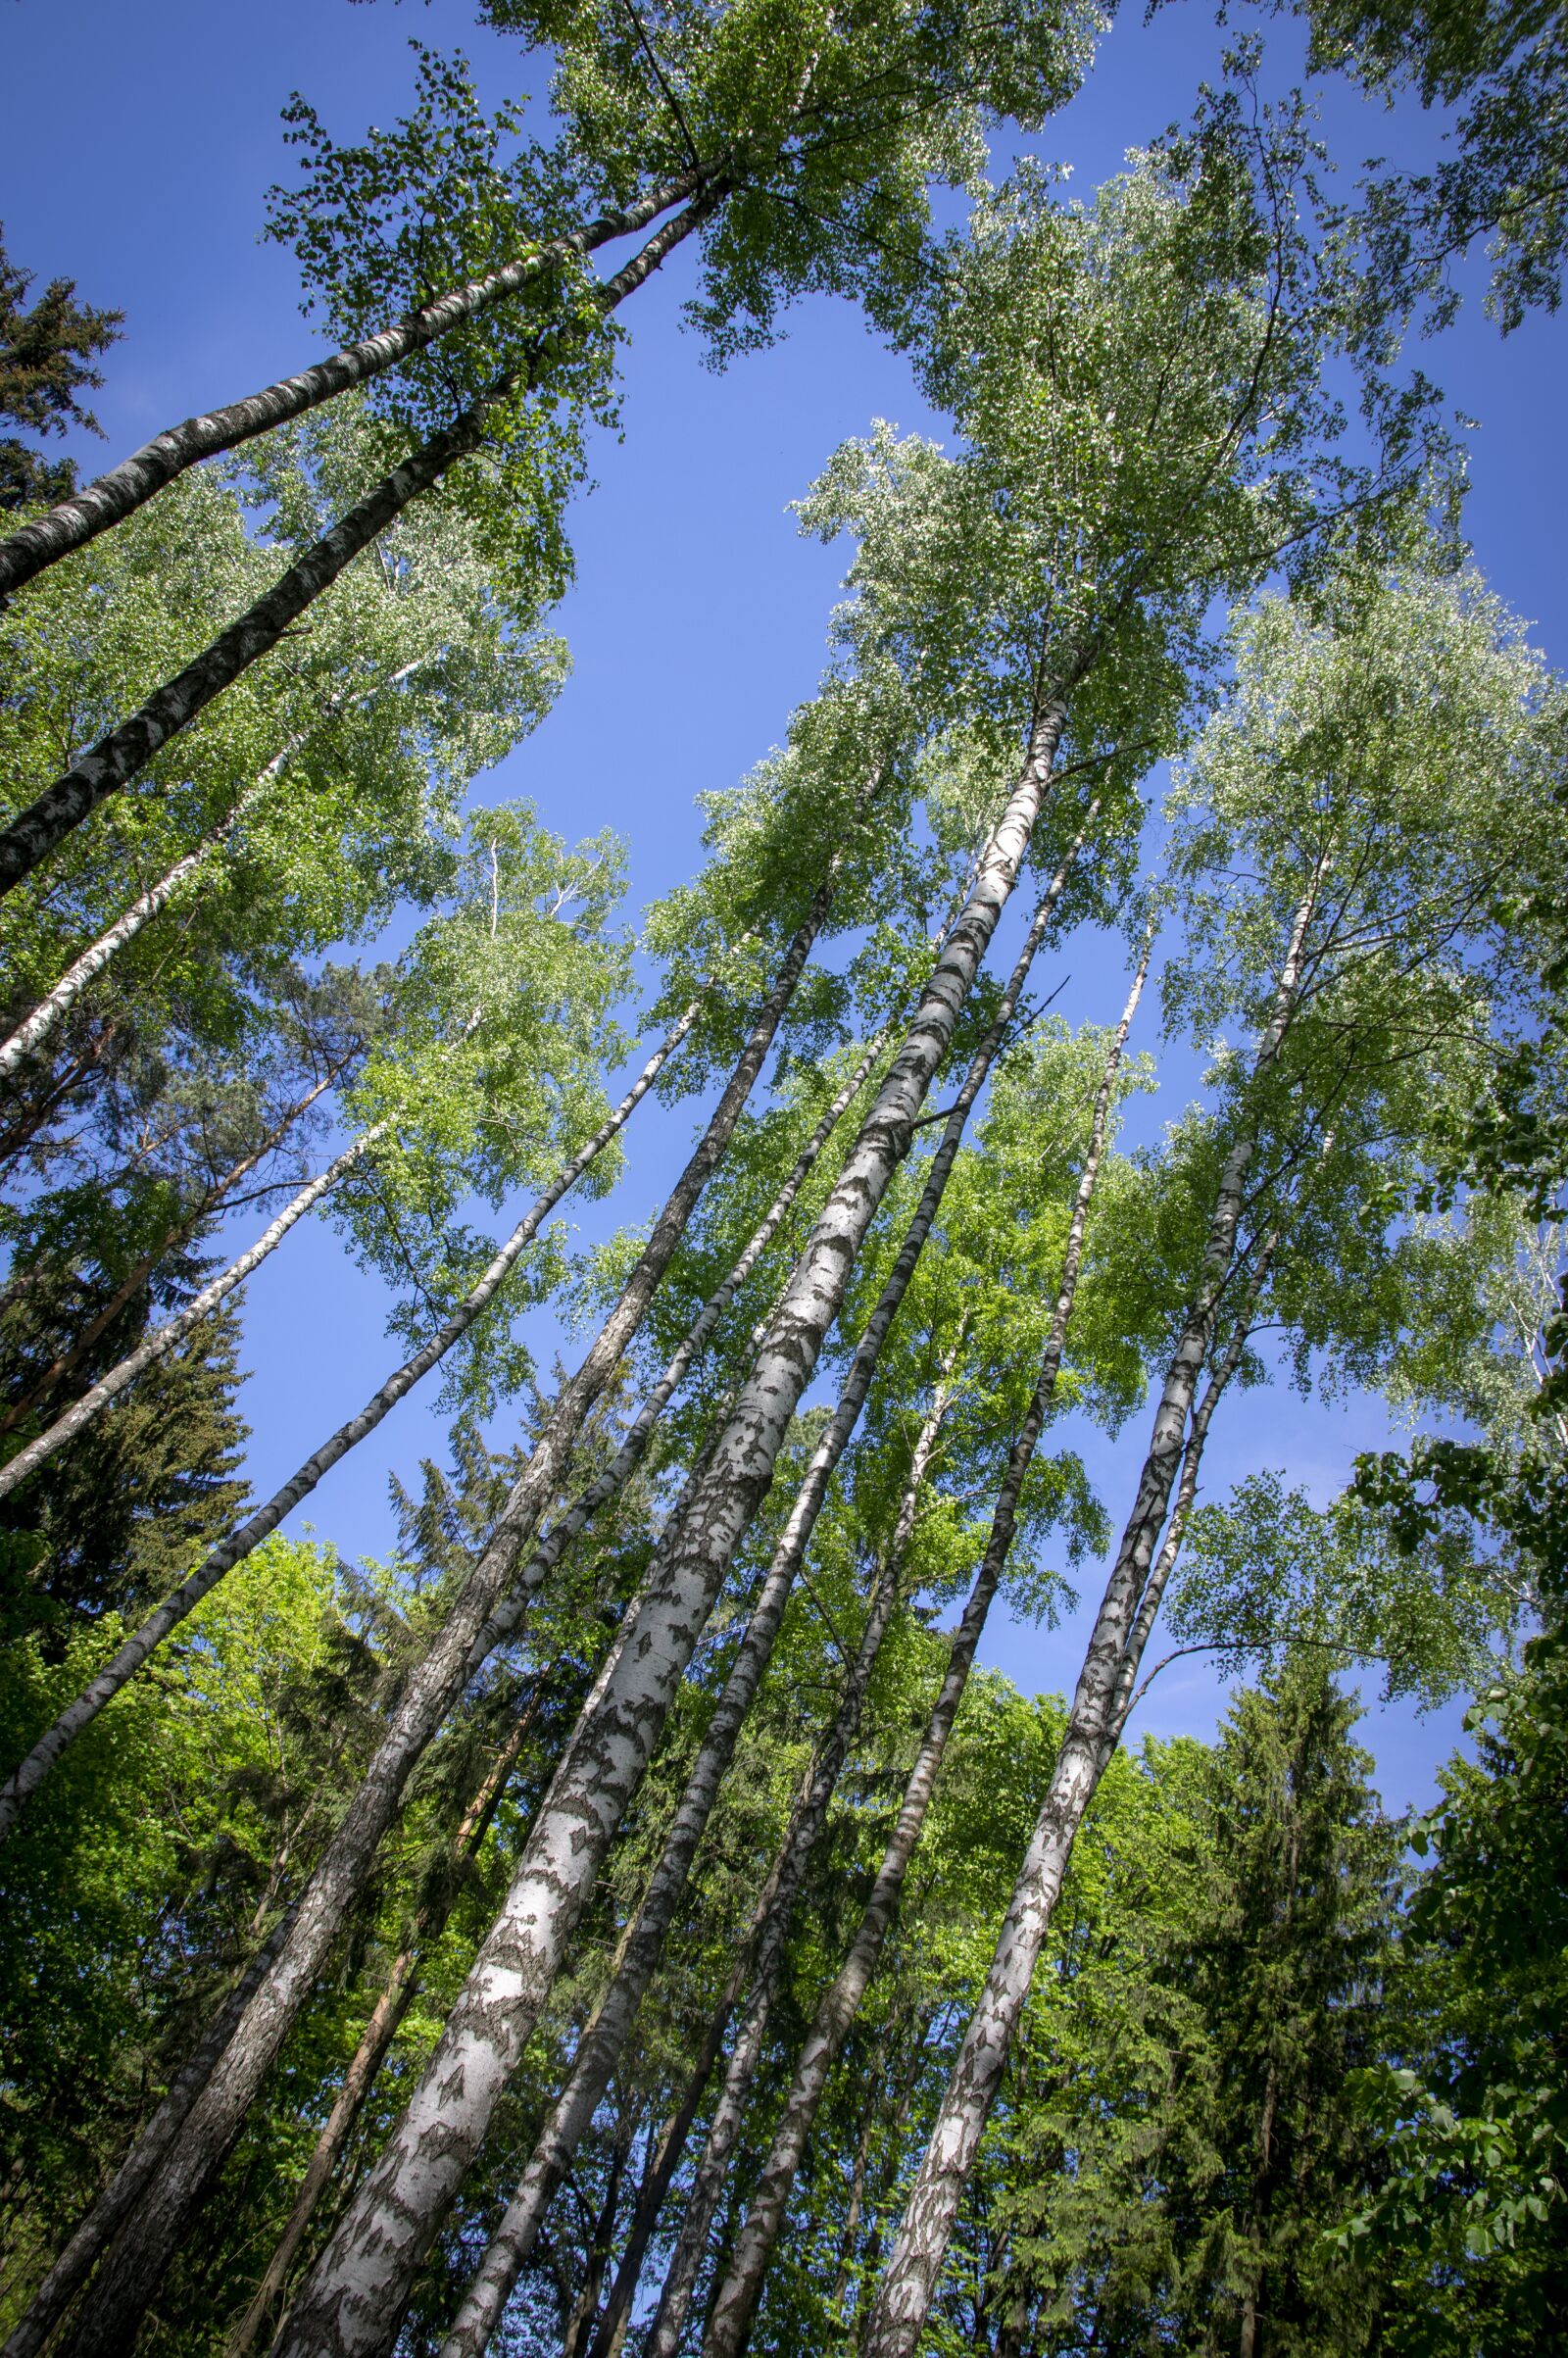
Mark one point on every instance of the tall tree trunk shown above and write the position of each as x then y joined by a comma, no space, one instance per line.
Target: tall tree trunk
135,482
186,2176
609,2332
768,1967
903,2299
163,1339
735,2303
75,2261
606,2037
56,1003
384,2022
172,1237
117,758
580,2322
81,1713
85,969
356,2294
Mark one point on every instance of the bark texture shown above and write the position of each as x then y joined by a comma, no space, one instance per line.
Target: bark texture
183,1600
132,2272
163,1339
382,2027
136,480
116,758
356,2291
669,2328
735,2303
903,2299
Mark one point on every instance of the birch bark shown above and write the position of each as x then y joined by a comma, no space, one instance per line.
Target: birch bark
135,482
356,2294
382,2027
183,1600
768,1965
133,2271
163,1339
220,1189
86,969
62,806
605,2040
903,2299
58,1003
735,2303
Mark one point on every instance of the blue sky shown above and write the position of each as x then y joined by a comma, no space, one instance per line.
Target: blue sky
139,144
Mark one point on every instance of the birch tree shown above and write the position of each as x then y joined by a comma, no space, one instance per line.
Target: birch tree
1369,963
186,2176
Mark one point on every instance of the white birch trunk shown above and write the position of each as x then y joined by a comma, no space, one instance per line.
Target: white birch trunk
735,2303
173,1330
57,1005
81,1713
903,2299
605,2040
355,2295
128,486
98,955
145,2245
767,1964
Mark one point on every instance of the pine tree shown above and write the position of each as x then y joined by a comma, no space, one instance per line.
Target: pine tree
1216,2137
46,357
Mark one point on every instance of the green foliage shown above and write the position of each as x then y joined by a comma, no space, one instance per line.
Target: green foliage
1464,2210
46,356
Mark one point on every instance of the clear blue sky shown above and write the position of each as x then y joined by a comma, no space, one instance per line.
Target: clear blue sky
139,143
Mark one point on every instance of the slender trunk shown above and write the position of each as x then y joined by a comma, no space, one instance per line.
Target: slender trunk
58,1003
606,2037
734,2306
117,758
604,2040
129,485
80,1714
163,1339
859,2170
503,1621
182,2184
72,2268
899,2313
604,2234
78,1350
611,2327
86,969
356,2291
1149,1603
384,2024
767,1966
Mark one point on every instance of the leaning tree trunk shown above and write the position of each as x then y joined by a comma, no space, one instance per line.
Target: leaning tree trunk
56,1003
904,2299
186,2177
735,2303
80,1714
603,2043
172,1237
767,1964
384,2022
356,2291
71,2270
128,486
117,758
163,1339
85,968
